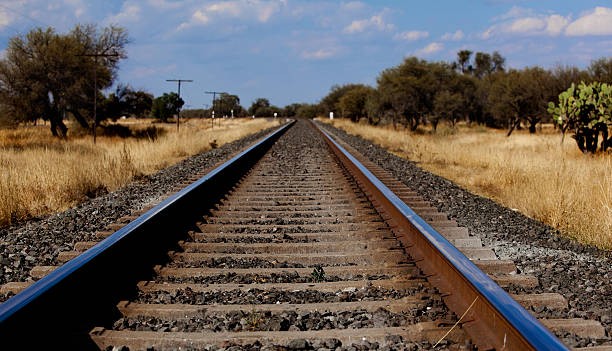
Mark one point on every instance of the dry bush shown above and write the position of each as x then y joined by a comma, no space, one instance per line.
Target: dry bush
534,174
42,175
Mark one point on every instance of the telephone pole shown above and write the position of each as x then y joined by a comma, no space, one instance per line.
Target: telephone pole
178,113
95,56
214,94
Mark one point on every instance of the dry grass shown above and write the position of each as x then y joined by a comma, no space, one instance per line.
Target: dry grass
534,174
41,174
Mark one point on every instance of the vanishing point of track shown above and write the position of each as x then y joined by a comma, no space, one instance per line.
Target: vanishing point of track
298,242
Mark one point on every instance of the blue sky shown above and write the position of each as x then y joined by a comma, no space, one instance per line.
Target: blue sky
294,51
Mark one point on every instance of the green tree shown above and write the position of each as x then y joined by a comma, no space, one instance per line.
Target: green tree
521,96
463,61
330,102
44,74
166,106
291,109
565,75
407,91
139,103
498,62
601,70
353,103
260,108
307,111
483,64
587,110
124,101
448,106
226,103
373,107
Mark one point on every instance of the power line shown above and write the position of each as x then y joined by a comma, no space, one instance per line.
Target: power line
95,56
24,15
178,114
214,94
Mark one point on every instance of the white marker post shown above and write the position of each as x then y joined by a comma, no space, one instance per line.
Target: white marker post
331,115
275,114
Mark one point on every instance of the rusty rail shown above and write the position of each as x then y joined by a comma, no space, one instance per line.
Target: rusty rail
59,306
495,320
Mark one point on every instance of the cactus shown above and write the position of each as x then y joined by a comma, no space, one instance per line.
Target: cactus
586,110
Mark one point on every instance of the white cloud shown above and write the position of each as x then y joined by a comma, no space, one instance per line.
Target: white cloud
458,35
556,24
229,9
129,13
597,22
164,5
319,54
551,25
5,19
352,5
262,11
375,22
316,47
514,12
526,25
147,71
429,49
489,32
200,17
412,35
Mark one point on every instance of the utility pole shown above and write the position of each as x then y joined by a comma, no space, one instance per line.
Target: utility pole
214,94
95,56
178,113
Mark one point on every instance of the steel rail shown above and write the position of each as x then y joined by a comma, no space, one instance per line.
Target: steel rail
63,298
495,320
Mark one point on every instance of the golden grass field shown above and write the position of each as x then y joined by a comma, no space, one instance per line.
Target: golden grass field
534,174
41,174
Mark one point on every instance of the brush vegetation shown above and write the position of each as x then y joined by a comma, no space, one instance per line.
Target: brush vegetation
533,174
41,174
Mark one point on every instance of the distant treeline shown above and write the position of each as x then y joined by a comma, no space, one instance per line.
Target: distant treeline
475,88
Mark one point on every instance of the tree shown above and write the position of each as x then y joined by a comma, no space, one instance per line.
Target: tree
139,103
587,110
463,61
407,91
260,108
166,106
125,102
226,103
306,111
330,102
374,108
448,106
483,65
353,103
521,96
291,110
565,76
498,62
601,70
43,76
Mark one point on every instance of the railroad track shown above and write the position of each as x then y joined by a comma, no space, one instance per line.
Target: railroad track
311,246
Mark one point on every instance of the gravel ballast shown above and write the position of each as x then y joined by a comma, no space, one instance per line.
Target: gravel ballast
580,273
37,242
254,320
275,296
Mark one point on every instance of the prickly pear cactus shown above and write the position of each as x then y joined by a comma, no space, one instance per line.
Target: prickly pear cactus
586,110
